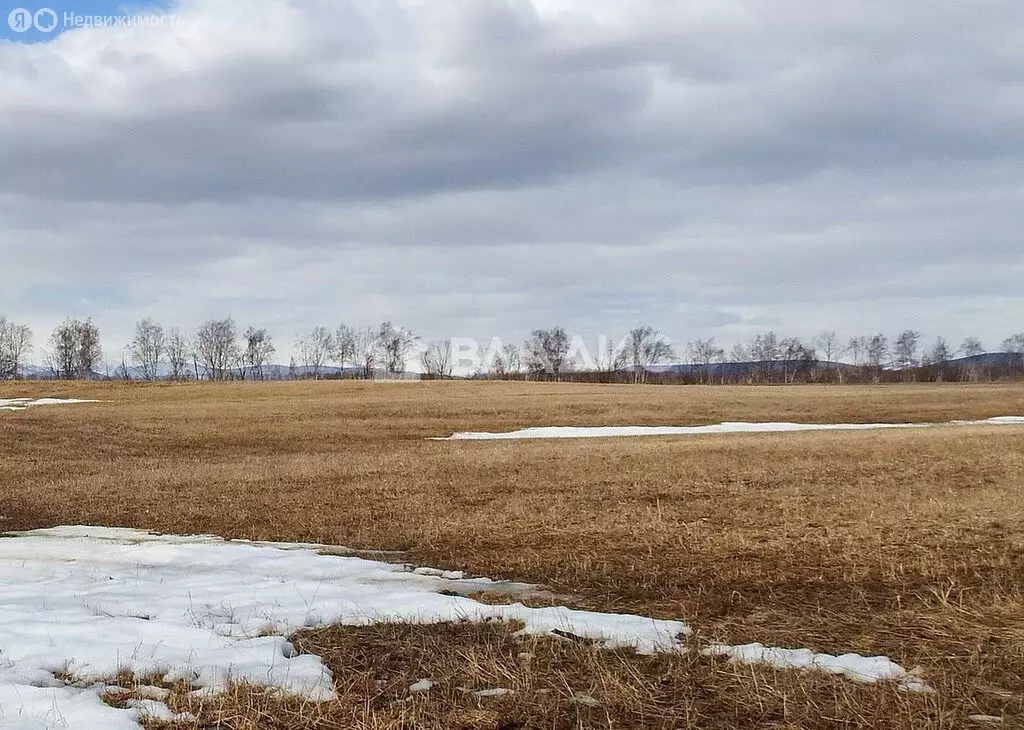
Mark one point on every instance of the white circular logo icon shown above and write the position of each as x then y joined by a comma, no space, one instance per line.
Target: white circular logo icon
45,20
20,20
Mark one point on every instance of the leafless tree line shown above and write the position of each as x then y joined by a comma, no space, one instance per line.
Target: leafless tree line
214,352
552,354
360,352
218,350
830,358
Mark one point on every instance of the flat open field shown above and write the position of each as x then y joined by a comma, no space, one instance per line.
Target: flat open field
903,543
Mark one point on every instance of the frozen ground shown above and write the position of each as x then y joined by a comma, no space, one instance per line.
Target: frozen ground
86,603
22,404
571,432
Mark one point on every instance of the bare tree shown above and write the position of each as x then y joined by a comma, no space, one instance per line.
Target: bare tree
314,350
877,353
547,351
702,354
18,346
766,351
796,357
216,348
1014,344
611,357
857,347
345,339
645,348
395,344
507,362
940,353
259,346
972,347
177,354
972,370
75,350
437,359
367,354
827,342
937,358
513,358
90,350
15,345
62,350
147,347
905,349
498,368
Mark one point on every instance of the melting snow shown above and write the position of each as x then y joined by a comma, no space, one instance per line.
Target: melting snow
90,602
23,404
424,685
569,432
854,666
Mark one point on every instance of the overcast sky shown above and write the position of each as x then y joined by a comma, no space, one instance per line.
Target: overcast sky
478,168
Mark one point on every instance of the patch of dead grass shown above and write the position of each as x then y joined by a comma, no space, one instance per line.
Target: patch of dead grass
552,684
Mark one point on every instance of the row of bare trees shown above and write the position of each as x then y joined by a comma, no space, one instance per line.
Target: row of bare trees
828,357
214,352
218,350
362,351
552,354
74,349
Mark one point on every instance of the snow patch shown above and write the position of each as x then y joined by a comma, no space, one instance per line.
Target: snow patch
572,432
23,404
91,602
424,685
860,668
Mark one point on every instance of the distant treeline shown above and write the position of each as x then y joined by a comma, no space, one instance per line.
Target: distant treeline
219,350
987,367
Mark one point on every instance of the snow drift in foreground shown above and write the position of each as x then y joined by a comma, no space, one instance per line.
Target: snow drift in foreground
23,404
574,432
90,602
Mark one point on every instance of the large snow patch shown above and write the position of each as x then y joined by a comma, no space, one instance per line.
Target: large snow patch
87,603
91,602
572,432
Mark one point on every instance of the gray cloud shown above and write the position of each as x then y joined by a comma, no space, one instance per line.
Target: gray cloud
478,169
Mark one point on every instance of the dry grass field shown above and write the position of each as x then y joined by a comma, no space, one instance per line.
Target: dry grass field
905,543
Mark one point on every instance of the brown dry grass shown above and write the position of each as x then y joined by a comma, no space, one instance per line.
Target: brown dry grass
907,543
